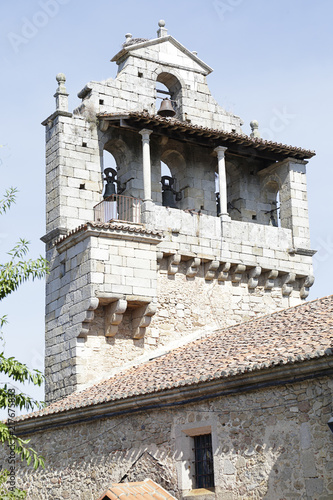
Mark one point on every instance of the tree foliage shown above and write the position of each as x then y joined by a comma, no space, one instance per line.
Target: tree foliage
12,273
6,494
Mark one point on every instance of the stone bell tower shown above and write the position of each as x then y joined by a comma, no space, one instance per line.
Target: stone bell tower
162,258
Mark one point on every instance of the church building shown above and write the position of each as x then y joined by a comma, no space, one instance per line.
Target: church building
180,352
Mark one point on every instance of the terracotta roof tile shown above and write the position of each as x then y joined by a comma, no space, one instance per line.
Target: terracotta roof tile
111,226
289,336
232,137
143,490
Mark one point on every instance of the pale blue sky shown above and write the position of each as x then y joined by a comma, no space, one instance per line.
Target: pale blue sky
272,62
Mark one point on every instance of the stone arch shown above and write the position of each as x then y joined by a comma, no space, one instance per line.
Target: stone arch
122,158
270,193
176,163
235,198
174,86
119,150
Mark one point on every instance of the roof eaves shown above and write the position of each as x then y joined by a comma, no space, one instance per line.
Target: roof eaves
242,139
224,385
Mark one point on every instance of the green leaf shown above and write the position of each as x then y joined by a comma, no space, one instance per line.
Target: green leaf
17,270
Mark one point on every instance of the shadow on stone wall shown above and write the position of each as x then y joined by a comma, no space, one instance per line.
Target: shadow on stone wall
146,466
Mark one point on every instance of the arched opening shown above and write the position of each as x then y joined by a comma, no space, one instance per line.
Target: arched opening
110,174
118,200
165,170
217,194
273,217
172,176
168,86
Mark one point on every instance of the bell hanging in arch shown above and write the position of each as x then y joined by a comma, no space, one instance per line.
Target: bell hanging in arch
110,178
166,108
168,193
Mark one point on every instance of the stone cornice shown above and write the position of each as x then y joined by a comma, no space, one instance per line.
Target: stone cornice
55,114
104,230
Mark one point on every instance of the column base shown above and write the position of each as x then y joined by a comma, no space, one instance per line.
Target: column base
225,217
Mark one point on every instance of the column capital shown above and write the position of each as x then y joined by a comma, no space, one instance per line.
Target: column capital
220,150
145,132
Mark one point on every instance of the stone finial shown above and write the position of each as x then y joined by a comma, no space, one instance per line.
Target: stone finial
61,78
61,94
254,127
162,31
128,37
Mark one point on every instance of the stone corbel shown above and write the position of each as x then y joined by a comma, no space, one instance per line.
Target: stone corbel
237,273
103,125
287,281
306,285
254,277
211,269
159,257
224,273
173,263
113,316
271,277
193,267
89,316
141,318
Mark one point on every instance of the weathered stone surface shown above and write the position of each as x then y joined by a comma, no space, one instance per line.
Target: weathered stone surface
125,448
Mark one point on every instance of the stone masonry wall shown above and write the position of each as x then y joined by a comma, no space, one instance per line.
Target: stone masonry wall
134,88
185,306
273,444
82,271
73,172
199,277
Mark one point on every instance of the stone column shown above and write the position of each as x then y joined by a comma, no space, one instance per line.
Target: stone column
222,179
146,164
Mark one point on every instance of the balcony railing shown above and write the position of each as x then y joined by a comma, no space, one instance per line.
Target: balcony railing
118,207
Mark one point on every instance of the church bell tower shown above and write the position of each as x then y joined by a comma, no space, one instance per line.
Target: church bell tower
165,221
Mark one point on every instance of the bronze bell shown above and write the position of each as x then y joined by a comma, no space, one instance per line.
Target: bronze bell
166,108
110,178
168,193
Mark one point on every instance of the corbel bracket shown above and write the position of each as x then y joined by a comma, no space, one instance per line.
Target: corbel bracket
113,316
237,273
224,273
193,267
89,315
287,281
141,318
103,125
173,263
211,268
254,277
306,285
271,277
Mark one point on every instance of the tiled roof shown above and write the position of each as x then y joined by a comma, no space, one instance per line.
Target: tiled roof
290,336
112,226
143,490
231,139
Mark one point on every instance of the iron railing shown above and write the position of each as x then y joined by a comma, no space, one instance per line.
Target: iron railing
118,207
